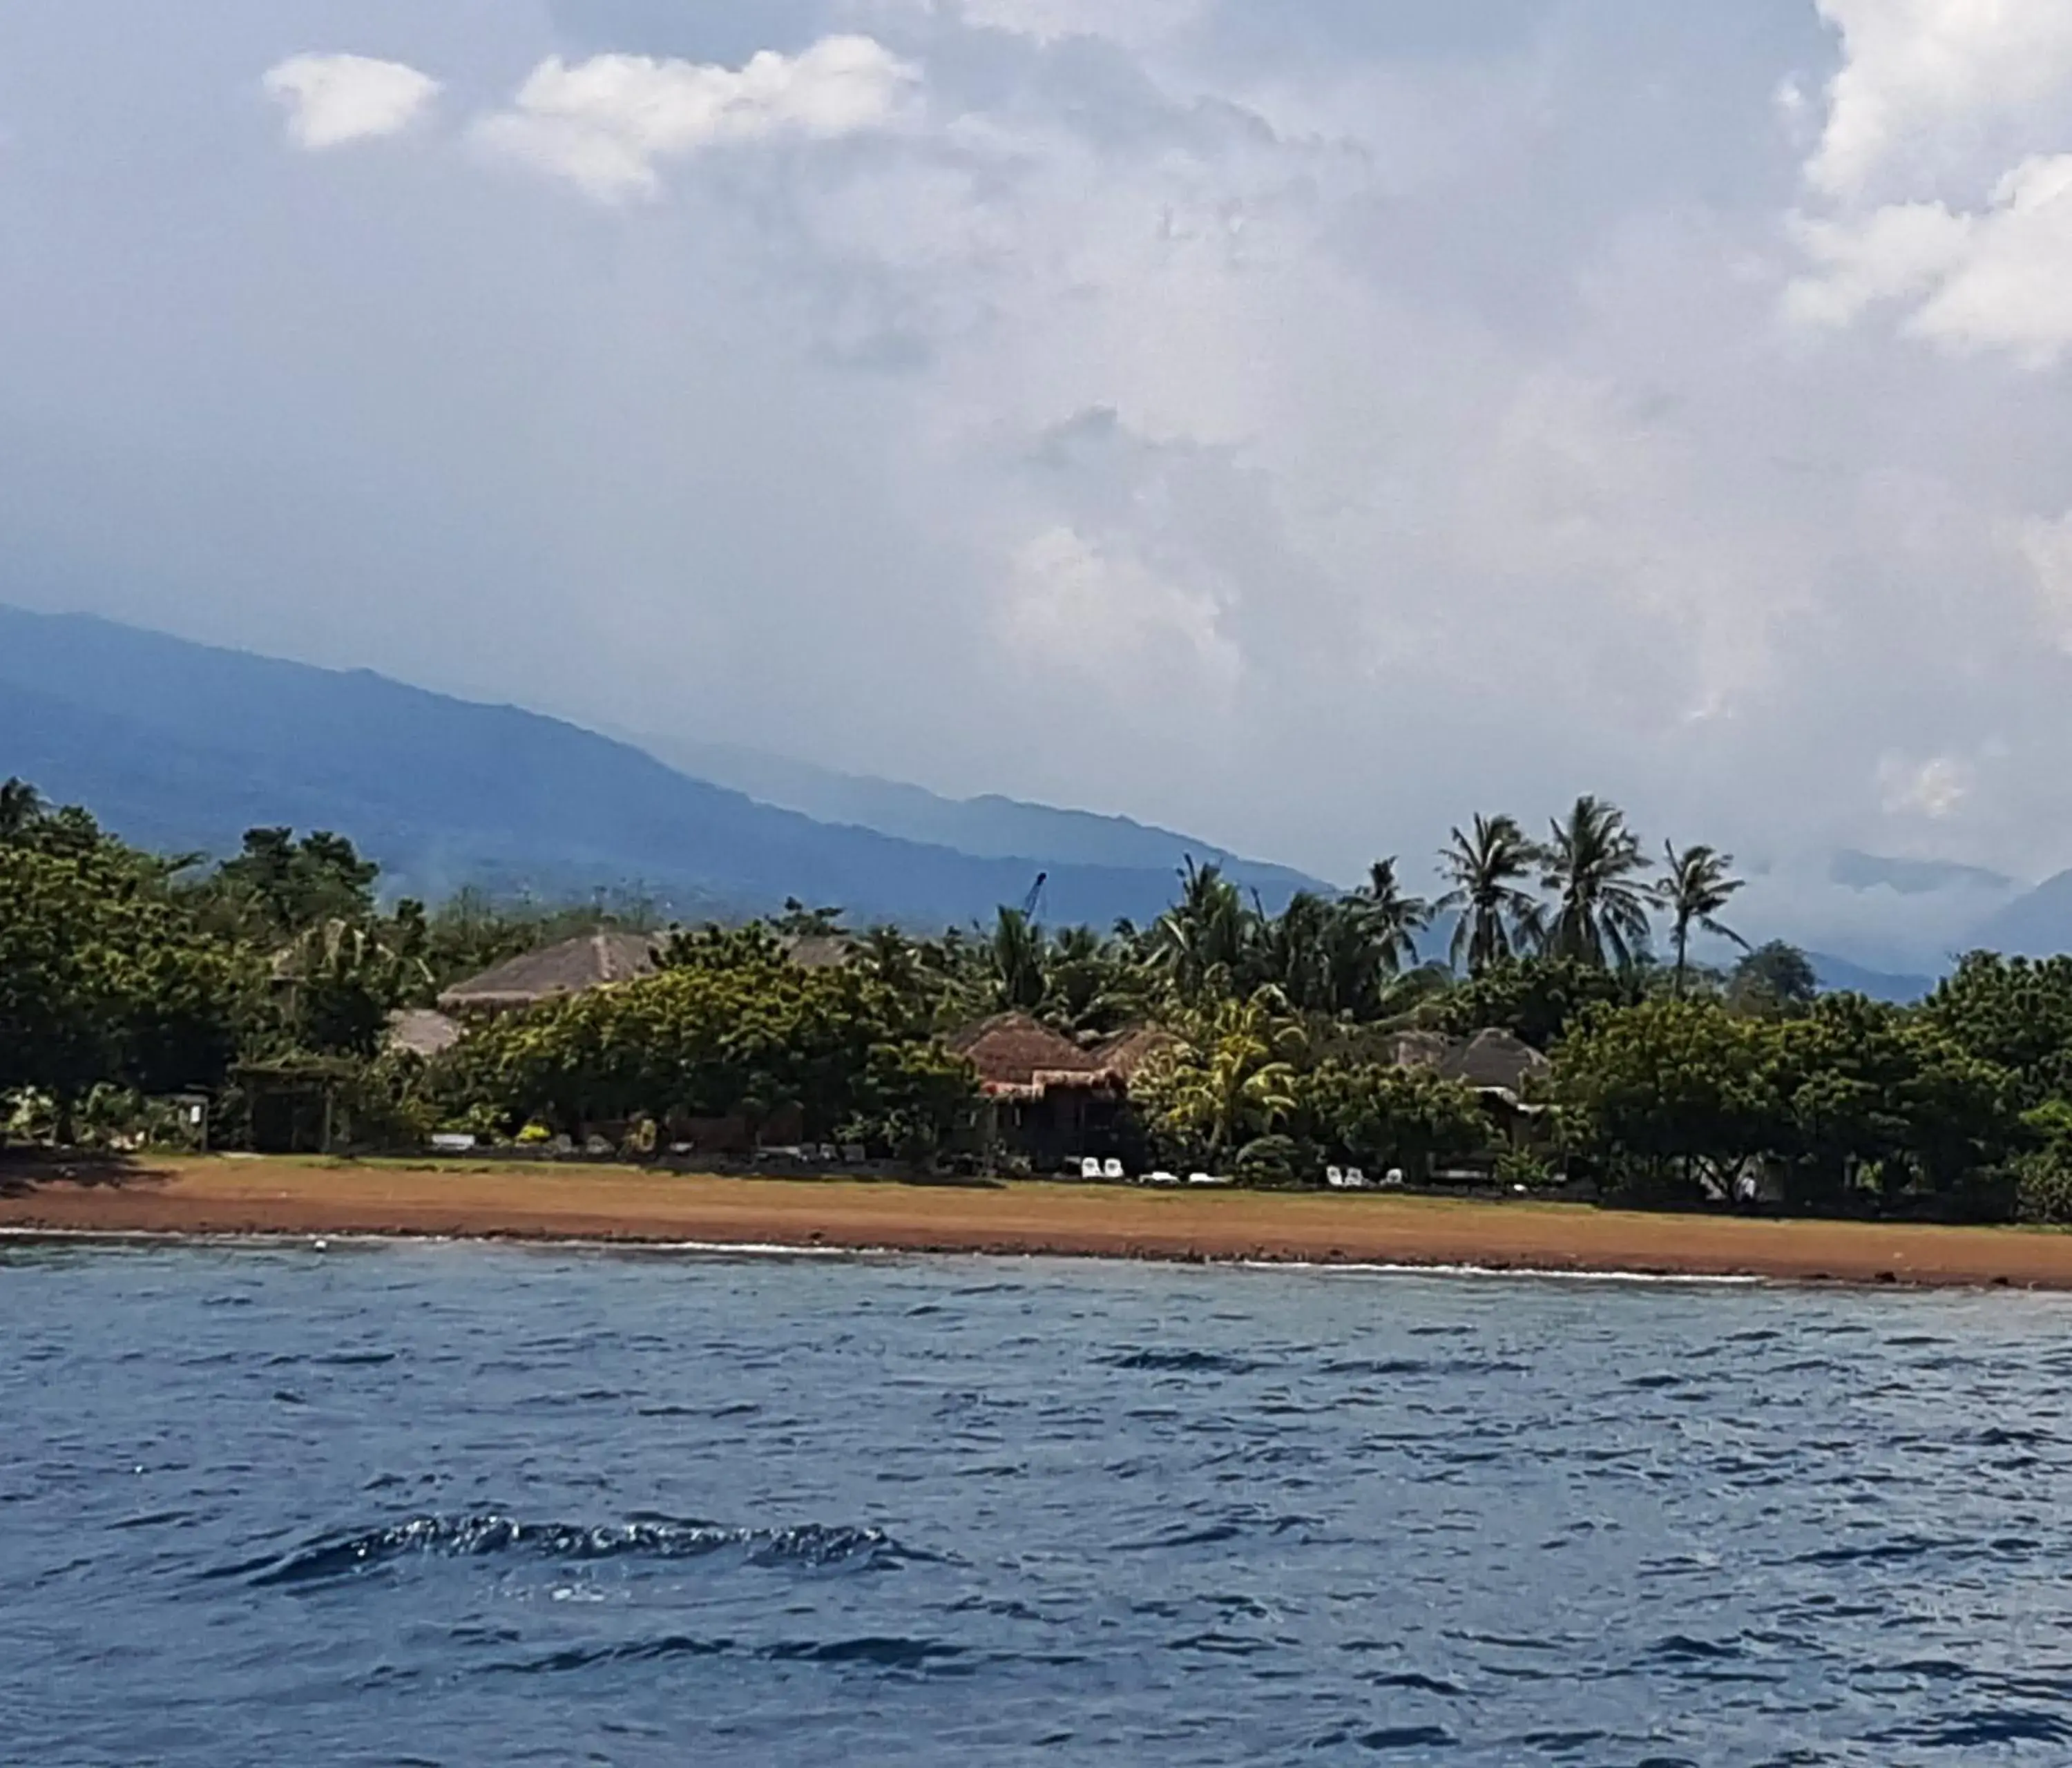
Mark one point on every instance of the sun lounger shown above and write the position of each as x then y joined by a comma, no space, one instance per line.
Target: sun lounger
1163,1178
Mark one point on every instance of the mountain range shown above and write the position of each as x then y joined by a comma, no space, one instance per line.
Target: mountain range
182,746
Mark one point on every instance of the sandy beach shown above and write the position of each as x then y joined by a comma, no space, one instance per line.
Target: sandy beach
232,1196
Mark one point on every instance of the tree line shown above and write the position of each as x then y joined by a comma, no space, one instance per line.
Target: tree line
126,976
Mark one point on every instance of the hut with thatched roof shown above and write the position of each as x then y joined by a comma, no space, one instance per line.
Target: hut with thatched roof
1128,1054
1500,1068
1044,1098
590,960
1495,1062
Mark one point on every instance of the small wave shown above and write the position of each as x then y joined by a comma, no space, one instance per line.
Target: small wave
1980,1730
1449,1368
1907,1547
340,1556
882,1653
1182,1361
1407,1737
1209,1536
1681,1648
1421,1684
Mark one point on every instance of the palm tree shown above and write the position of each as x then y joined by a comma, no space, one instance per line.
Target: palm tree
1202,942
1018,954
886,954
1696,888
1393,919
1592,866
1498,918
21,805
1242,1077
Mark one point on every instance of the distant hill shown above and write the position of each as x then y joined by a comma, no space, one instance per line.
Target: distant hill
989,827
1861,871
179,746
1839,975
2036,925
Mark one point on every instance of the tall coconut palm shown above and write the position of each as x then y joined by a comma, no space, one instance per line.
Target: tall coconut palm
1593,866
1392,917
1487,867
1018,952
1697,887
1202,942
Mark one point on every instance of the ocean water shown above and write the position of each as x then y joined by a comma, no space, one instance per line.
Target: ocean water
458,1505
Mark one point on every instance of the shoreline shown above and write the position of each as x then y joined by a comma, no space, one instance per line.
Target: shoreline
225,1198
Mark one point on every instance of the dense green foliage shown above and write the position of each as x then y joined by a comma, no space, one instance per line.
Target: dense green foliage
1289,1041
1852,1104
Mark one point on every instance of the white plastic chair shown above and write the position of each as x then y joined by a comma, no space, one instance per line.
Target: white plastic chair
1355,1179
1392,1181
1090,1168
1335,1178
1201,1179
1111,1168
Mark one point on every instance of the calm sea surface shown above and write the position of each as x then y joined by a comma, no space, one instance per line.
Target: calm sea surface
457,1505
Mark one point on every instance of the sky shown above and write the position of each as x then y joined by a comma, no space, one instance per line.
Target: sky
1305,425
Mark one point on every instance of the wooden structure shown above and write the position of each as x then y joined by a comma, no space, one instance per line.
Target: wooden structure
1042,1097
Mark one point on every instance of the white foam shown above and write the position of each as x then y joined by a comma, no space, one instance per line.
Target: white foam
1520,1271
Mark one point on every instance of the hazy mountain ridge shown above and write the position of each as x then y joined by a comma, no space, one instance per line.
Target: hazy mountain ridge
988,827
183,744
178,744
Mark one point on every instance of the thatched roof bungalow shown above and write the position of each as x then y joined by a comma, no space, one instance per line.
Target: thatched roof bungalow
1046,1099
1018,1057
590,960
1495,1062
1128,1054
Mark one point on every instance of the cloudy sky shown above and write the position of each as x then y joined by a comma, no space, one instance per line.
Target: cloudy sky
1304,423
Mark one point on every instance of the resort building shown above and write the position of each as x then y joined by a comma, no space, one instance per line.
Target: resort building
1042,1097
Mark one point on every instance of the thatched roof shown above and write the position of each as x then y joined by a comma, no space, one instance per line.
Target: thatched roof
1490,1061
818,951
588,961
422,1032
1128,1053
1420,1049
1496,1061
1013,1053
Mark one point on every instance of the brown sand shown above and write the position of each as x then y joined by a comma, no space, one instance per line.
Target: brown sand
232,1196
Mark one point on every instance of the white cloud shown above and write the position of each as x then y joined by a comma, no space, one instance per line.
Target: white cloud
1996,278
1926,84
605,123
1934,789
332,100
1108,617
1947,190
